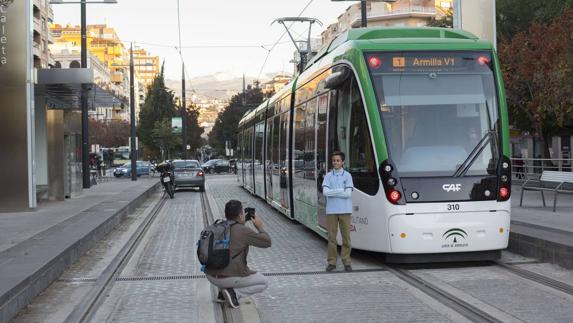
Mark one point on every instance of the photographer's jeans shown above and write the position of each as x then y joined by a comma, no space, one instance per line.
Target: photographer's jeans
244,286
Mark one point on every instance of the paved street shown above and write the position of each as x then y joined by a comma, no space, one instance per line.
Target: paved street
162,282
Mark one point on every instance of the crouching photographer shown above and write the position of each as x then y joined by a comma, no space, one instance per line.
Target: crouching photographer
236,279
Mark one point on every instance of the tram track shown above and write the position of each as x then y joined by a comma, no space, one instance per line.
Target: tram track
462,307
86,309
537,278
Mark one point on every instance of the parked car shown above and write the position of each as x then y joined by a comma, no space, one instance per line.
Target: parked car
188,173
216,166
142,168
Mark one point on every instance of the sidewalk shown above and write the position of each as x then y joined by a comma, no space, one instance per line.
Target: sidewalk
36,247
537,231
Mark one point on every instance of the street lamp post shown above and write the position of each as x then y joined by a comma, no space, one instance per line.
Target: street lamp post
83,95
364,18
132,115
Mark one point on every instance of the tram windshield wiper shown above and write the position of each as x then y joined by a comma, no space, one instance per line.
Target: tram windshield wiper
468,162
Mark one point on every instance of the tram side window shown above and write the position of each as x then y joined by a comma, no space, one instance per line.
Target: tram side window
299,140
248,140
259,144
239,146
275,143
309,150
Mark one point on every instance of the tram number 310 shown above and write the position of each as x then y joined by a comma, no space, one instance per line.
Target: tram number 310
453,207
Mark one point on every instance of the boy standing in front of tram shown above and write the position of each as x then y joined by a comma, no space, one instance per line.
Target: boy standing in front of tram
337,187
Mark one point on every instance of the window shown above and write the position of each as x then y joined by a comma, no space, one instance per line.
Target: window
299,141
349,132
361,161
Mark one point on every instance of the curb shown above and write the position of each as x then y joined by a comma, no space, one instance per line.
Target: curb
546,244
31,266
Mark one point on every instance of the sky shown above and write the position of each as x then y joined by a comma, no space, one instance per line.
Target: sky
206,28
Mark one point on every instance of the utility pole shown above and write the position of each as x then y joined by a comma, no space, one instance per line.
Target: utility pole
244,92
84,100
183,106
132,115
183,114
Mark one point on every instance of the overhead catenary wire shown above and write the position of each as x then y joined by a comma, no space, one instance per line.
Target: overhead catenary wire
262,46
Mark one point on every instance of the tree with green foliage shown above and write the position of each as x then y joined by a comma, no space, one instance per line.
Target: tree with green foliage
113,133
228,120
164,138
514,16
538,75
159,106
194,130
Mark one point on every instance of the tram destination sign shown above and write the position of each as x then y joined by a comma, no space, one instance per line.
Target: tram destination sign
427,61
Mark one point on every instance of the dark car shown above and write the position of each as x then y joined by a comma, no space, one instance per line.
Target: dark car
188,173
143,168
216,166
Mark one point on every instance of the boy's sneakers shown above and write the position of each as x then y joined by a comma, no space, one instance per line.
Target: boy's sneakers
347,268
330,267
230,297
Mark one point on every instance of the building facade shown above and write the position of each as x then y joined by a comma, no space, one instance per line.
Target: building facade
412,13
43,16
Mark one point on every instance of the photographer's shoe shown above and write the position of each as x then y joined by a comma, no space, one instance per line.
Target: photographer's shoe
231,298
330,267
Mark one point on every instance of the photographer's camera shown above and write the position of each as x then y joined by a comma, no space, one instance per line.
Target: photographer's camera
249,213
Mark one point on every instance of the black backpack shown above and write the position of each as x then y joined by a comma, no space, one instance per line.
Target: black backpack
213,245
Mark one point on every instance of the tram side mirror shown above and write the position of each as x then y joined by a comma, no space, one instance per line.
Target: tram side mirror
337,78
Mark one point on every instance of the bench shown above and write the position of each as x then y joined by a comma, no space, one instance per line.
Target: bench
554,181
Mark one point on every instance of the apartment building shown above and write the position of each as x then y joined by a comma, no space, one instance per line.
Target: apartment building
42,38
412,13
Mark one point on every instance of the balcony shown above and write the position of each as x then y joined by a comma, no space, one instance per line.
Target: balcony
37,50
38,25
117,77
413,9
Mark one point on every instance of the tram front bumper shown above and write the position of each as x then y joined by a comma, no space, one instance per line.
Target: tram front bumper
448,232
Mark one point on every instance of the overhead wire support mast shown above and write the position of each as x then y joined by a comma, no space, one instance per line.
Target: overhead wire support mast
183,105
305,56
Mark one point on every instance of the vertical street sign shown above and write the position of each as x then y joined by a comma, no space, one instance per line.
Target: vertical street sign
18,191
176,125
477,17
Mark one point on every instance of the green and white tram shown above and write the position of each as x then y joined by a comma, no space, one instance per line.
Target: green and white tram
420,114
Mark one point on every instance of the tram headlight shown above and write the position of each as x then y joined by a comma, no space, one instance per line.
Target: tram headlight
388,168
505,165
391,181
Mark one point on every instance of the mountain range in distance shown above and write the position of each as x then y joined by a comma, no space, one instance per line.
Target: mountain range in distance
217,86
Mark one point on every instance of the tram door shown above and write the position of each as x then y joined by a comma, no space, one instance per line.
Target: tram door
321,155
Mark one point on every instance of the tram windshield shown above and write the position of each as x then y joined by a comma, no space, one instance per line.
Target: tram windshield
439,111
